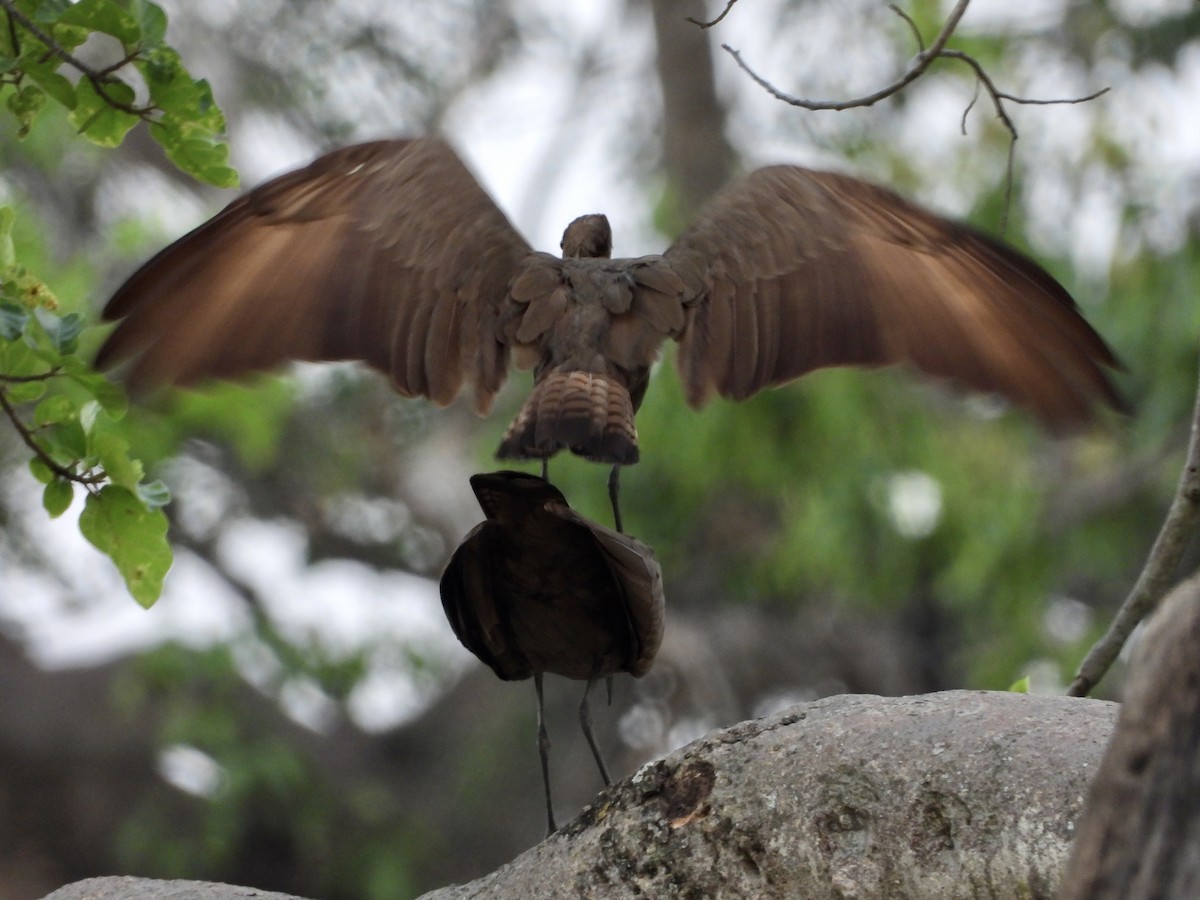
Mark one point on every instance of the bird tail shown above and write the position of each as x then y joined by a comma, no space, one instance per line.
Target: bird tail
584,412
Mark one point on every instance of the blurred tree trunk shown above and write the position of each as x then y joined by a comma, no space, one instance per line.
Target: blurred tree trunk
697,158
1140,834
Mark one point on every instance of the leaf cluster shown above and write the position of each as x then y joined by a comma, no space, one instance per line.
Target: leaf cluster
64,412
145,82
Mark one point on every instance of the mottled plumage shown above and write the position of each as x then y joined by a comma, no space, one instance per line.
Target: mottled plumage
391,253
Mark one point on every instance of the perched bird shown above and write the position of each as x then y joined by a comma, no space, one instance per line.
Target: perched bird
538,588
390,252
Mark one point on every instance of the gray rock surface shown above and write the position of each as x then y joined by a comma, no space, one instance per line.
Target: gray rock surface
962,794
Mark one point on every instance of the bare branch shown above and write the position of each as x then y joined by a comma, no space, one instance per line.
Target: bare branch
1177,529
724,13
923,60
911,24
100,79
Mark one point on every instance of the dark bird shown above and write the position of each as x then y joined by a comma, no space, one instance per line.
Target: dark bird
392,253
538,588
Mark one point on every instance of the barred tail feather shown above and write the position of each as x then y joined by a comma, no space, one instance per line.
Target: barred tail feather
589,414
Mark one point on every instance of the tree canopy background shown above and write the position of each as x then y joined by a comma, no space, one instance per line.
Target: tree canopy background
298,717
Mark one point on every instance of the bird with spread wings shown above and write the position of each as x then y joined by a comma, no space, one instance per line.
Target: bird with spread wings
392,253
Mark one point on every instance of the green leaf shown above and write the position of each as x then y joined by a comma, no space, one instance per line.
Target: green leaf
63,331
48,11
66,439
53,410
24,391
153,23
201,155
41,471
113,454
1020,686
108,394
95,116
70,36
12,321
45,74
18,360
8,254
57,497
155,495
88,413
118,524
25,104
105,16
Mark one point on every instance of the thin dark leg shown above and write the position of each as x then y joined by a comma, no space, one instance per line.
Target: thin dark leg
614,488
608,686
585,720
544,753
545,468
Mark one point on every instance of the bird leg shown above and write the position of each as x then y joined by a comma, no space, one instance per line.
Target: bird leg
585,721
544,752
545,468
614,487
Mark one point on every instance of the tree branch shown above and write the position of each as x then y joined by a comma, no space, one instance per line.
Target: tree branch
724,13
923,60
1177,529
99,79
39,451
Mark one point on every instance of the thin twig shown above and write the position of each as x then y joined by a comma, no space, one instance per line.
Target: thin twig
24,379
724,13
1155,578
99,80
911,24
923,60
39,451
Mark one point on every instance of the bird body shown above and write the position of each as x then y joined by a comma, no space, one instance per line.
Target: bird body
391,253
538,588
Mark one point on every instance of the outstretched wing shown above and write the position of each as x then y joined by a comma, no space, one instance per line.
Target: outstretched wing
388,252
791,270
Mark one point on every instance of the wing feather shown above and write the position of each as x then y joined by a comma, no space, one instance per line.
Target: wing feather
388,252
791,270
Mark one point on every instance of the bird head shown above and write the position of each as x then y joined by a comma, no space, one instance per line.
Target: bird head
588,236
507,496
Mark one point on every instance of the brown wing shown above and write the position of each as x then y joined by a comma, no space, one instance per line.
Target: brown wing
792,270
637,572
388,252
470,593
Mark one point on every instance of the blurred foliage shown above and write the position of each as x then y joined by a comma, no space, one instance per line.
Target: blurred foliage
871,492
72,429
39,43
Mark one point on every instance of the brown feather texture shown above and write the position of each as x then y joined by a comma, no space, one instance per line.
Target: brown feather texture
392,253
537,588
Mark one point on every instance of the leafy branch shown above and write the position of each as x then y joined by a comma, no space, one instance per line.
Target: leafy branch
42,454
101,104
65,414
925,58
100,79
